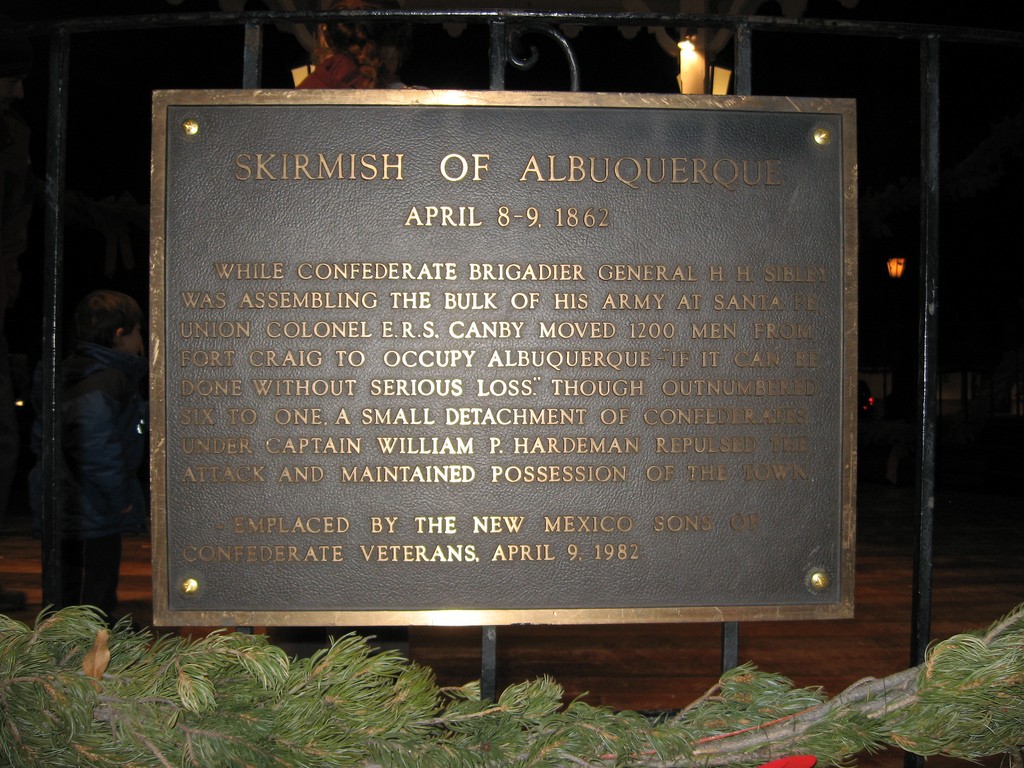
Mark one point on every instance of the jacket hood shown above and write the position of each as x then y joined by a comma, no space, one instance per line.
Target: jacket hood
90,358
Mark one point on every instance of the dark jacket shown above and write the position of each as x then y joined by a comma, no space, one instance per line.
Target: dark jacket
103,440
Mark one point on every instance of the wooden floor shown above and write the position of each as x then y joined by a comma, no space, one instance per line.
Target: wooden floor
978,577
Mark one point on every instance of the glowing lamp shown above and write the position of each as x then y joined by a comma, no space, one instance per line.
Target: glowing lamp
895,266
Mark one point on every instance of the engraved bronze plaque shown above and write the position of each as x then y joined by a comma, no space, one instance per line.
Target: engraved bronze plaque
430,357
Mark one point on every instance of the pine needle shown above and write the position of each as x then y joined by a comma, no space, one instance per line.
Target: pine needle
73,693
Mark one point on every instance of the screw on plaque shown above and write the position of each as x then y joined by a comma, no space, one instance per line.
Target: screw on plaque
819,581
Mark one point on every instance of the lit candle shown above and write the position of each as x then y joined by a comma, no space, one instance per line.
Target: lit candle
691,67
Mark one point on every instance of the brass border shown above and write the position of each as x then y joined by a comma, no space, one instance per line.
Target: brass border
843,608
157,363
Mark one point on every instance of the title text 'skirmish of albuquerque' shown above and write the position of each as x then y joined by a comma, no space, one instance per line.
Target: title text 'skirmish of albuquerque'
631,171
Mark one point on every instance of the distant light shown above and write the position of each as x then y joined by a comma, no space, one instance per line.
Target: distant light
895,266
301,73
720,77
19,403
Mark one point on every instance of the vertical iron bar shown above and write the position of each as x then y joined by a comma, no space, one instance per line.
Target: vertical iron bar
744,82
498,54
252,73
928,331
489,634
730,645
489,664
731,629
53,289
252,59
929,308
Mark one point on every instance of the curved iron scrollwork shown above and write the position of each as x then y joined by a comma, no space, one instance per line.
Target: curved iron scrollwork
521,59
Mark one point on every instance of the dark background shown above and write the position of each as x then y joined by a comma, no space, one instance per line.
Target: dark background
113,74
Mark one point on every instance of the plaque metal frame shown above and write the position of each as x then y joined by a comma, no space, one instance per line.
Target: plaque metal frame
839,580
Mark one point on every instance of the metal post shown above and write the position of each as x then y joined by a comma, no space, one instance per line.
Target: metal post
489,634
252,60
53,288
927,406
731,629
498,54
744,85
927,349
730,645
489,664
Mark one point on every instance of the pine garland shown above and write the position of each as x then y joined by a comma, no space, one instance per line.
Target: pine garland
73,693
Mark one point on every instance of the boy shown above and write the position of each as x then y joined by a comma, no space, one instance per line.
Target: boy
103,419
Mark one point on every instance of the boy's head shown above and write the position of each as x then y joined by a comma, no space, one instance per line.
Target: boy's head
104,317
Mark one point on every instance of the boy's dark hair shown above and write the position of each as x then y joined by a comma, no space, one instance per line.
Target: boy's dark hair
101,313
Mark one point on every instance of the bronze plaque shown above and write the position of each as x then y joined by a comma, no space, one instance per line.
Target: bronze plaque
424,357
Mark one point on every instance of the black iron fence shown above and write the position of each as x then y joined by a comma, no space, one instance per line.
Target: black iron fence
512,39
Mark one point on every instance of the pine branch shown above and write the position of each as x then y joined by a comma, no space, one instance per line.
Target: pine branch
230,699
